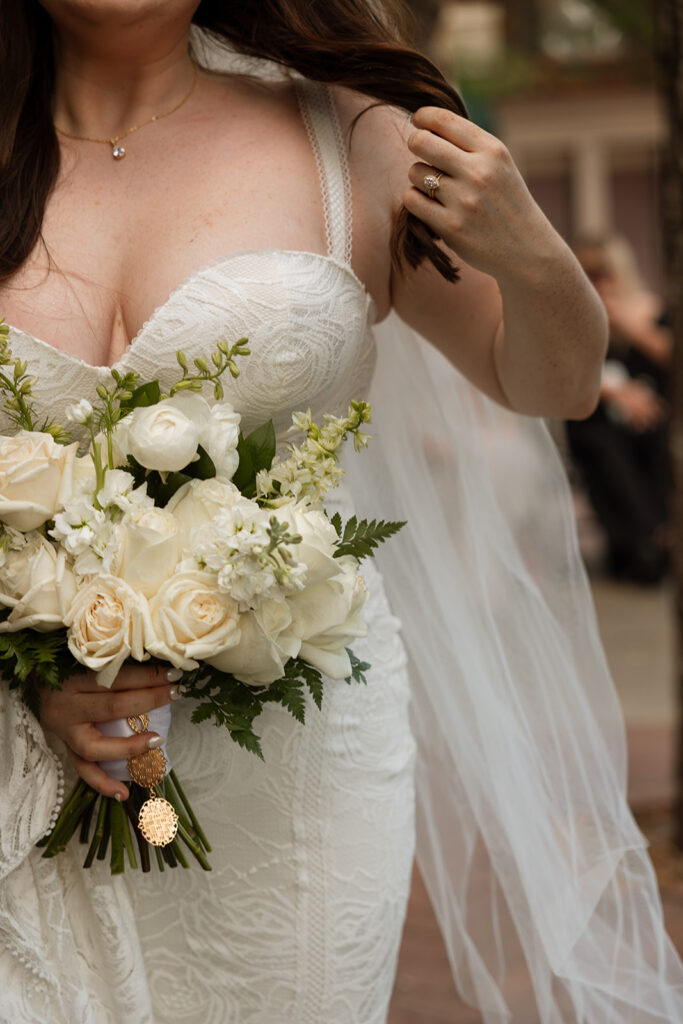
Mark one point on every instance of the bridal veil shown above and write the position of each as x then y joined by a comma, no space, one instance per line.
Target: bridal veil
539,876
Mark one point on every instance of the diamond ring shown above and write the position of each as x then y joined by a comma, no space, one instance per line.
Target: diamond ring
432,183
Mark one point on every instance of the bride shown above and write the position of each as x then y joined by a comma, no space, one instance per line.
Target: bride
174,172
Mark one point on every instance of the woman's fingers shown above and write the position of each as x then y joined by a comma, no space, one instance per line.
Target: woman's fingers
88,743
95,777
108,705
131,677
458,131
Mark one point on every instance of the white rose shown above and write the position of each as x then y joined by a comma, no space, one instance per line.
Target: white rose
327,618
37,584
150,548
318,540
219,439
84,479
107,623
35,478
192,620
164,436
266,644
198,501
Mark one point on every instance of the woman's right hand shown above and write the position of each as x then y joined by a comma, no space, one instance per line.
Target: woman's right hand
72,711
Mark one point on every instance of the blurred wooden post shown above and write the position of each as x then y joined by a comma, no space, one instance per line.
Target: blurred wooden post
670,66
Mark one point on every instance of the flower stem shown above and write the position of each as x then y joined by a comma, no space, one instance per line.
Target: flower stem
117,817
132,811
128,840
106,828
99,830
186,803
160,859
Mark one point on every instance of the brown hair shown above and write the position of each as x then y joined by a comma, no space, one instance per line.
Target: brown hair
356,43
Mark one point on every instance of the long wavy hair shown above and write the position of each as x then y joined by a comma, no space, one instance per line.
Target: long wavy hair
361,44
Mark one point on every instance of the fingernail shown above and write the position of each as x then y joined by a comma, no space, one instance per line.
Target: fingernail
154,742
174,674
117,796
176,691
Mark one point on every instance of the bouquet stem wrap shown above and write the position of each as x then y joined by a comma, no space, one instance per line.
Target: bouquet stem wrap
159,722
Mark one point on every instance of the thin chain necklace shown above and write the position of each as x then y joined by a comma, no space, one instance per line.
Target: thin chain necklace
117,150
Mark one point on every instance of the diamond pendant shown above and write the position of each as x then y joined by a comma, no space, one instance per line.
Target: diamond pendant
118,152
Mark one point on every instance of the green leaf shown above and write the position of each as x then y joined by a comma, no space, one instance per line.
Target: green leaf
146,394
358,668
361,538
336,521
202,468
256,452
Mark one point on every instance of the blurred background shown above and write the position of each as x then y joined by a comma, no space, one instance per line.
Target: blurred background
577,91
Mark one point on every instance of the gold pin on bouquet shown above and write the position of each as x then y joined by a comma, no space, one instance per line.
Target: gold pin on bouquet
173,537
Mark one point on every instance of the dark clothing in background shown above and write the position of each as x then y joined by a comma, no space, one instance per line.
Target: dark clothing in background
627,476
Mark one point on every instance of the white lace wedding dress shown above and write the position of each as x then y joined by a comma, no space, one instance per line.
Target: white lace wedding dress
300,920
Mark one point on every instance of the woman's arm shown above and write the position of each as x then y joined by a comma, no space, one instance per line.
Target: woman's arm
523,323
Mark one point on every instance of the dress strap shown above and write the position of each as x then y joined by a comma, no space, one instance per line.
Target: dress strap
321,119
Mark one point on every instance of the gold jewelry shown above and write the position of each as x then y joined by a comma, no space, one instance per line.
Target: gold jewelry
117,151
432,182
157,819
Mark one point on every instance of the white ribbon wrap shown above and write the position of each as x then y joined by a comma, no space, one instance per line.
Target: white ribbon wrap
159,721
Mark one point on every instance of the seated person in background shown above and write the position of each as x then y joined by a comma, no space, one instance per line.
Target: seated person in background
622,449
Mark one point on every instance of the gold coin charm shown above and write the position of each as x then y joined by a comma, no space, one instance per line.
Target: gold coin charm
149,768
157,821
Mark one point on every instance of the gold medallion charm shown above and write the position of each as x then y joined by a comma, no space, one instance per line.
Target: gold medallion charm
157,821
148,769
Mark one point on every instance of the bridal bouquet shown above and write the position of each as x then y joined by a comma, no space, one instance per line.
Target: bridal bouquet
167,534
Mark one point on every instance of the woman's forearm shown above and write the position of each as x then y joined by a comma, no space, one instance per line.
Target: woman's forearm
551,345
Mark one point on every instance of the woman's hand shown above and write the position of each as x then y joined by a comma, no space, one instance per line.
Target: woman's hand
72,711
482,208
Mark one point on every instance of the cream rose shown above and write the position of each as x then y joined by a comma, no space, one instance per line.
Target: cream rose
37,584
327,618
192,620
318,540
198,501
35,478
150,548
107,623
266,645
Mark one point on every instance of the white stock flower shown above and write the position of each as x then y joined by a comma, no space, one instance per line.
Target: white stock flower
192,620
80,412
89,535
265,646
327,618
35,478
107,622
37,584
119,491
234,544
150,548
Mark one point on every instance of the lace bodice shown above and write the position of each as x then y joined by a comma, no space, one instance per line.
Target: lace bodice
307,316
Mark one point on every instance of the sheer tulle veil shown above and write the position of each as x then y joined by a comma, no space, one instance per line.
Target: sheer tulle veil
539,876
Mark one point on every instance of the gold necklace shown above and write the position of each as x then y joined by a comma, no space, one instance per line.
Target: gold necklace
117,151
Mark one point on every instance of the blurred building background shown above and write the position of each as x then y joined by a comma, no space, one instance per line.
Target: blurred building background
569,86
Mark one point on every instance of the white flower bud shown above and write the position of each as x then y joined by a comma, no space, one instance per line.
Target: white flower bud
80,412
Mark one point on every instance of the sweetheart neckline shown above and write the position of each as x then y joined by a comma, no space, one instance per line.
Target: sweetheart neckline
183,286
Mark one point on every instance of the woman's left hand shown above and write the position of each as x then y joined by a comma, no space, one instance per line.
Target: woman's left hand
482,208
